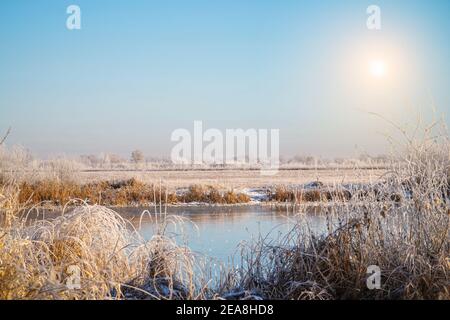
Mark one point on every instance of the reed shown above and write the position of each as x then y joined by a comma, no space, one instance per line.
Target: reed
113,260
405,235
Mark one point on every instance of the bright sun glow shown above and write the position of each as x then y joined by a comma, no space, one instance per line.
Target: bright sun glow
377,68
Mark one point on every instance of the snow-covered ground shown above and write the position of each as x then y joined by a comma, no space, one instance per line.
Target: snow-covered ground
251,180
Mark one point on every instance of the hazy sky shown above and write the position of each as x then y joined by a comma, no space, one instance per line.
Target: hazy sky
137,70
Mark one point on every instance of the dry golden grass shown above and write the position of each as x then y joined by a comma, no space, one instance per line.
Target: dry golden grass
320,194
210,194
114,261
123,193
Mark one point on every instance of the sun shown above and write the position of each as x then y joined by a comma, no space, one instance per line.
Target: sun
377,68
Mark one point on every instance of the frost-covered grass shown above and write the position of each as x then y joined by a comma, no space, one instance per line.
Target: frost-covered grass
114,261
406,236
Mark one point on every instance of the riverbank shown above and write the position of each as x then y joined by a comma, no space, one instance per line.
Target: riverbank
136,192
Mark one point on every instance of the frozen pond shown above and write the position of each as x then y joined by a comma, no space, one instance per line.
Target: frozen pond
218,231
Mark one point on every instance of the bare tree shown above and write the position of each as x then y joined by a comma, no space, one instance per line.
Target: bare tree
137,156
115,158
5,136
90,160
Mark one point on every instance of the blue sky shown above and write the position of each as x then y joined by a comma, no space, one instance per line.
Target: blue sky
137,70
